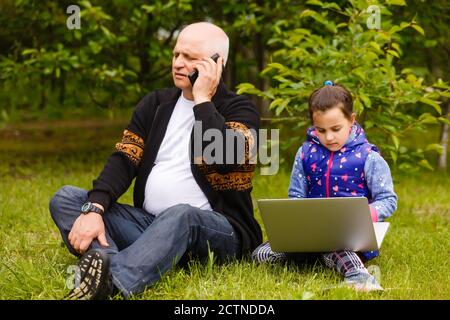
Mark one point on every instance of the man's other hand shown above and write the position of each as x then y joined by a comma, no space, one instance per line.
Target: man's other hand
86,228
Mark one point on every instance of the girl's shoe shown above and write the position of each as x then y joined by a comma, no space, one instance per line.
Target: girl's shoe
363,282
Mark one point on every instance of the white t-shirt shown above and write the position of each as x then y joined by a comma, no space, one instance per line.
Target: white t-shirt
171,181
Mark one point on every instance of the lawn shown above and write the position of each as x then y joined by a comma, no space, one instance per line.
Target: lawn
38,159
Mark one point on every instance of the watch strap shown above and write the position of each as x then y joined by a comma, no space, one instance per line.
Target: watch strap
90,207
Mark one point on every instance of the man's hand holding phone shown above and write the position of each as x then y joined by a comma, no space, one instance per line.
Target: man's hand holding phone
209,73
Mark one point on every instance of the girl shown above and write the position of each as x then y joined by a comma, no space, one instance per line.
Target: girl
338,161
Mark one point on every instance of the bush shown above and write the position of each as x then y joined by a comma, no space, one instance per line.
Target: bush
334,43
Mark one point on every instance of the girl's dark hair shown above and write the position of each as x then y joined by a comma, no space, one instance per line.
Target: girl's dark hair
328,97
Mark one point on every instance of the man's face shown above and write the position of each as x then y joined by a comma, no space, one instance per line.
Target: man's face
188,50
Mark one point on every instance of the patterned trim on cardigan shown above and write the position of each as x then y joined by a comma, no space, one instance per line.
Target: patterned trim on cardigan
241,178
249,139
132,146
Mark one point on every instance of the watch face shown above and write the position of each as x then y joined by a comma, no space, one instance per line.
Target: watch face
86,207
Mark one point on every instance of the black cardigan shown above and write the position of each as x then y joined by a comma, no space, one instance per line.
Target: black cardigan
227,186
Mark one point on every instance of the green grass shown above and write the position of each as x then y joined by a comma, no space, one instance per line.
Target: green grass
37,160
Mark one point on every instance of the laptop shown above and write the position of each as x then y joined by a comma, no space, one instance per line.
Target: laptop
321,224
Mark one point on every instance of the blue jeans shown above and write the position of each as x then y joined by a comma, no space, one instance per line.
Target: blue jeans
142,247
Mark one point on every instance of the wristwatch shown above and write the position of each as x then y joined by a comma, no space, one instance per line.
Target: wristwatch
89,207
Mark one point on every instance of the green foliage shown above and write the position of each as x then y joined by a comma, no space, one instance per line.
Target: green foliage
123,50
327,42
110,61
429,51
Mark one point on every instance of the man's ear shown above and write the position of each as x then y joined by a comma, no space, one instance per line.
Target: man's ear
353,118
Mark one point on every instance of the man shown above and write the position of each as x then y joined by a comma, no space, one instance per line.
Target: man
184,205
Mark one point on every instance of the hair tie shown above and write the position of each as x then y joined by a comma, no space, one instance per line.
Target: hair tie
328,83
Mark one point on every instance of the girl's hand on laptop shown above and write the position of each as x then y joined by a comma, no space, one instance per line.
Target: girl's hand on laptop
373,213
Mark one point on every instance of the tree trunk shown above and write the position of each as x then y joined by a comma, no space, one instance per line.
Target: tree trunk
144,60
230,68
43,101
259,53
442,162
62,88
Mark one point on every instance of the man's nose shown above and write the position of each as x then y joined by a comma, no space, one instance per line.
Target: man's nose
179,62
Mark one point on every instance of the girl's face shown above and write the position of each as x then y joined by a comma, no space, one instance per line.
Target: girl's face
333,127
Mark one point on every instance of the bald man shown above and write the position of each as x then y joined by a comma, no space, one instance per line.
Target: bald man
186,204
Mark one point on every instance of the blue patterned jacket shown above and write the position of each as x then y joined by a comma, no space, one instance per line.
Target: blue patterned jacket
357,169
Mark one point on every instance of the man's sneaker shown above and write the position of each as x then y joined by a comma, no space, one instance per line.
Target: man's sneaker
363,282
93,281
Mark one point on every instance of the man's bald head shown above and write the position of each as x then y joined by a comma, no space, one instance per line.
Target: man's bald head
207,38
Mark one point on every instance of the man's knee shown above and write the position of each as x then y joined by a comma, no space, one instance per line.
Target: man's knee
185,214
64,195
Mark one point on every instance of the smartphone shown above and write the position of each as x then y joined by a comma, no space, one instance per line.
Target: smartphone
194,74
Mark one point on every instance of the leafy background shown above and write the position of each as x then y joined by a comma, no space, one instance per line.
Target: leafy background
280,51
